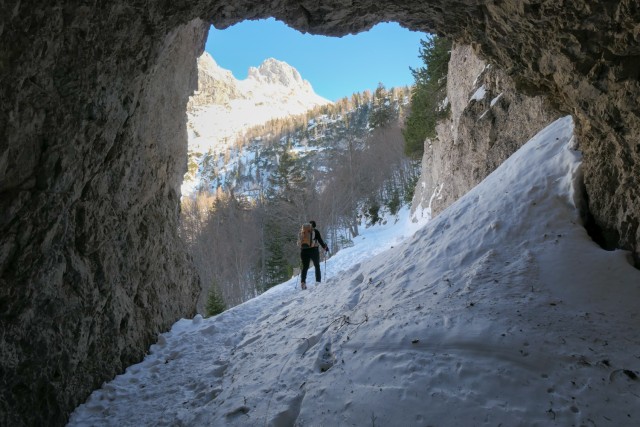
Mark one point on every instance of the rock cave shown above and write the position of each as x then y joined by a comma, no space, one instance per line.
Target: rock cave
92,108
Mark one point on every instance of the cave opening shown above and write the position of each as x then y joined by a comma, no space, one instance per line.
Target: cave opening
607,238
81,80
336,68
236,104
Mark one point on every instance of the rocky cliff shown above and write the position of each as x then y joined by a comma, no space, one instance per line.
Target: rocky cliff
91,265
488,121
92,101
215,85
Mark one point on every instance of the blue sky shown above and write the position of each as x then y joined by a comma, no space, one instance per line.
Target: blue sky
336,67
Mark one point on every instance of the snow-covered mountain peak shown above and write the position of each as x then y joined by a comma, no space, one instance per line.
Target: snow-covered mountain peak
216,86
224,107
207,65
272,71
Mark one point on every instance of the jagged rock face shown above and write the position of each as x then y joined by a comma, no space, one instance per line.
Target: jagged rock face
92,103
215,85
273,82
272,71
91,265
488,121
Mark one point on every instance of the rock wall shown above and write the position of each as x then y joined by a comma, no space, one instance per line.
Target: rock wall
92,159
90,263
488,121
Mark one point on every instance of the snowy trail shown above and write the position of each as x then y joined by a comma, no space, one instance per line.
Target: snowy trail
500,311
187,365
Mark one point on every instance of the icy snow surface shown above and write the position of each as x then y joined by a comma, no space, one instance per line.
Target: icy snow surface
499,311
479,94
496,99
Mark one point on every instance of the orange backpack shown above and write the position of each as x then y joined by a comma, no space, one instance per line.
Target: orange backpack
306,238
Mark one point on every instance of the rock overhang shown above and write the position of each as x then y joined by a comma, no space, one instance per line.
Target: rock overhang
91,151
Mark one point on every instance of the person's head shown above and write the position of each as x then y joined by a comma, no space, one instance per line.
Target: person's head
313,224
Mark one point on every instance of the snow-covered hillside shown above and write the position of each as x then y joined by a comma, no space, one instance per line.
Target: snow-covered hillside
223,107
315,140
499,311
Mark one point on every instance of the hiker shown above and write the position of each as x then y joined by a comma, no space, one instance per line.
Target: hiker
310,240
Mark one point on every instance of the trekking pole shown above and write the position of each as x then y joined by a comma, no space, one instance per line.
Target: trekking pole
298,275
325,265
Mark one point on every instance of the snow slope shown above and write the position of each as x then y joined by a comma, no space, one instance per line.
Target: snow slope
499,311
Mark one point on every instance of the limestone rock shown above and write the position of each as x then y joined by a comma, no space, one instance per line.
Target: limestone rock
489,121
215,84
91,265
272,71
93,149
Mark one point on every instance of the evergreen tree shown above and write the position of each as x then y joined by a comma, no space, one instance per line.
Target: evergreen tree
278,268
393,203
372,210
428,94
410,185
215,303
382,112
288,175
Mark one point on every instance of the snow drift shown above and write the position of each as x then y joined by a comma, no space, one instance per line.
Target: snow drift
499,311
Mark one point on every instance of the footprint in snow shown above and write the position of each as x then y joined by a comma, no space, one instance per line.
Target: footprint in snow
326,358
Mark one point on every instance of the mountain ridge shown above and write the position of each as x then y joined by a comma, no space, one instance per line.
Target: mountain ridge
277,79
274,71
223,107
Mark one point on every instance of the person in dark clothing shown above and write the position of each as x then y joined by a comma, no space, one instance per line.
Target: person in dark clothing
312,254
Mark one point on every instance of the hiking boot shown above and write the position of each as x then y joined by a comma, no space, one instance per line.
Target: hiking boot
303,285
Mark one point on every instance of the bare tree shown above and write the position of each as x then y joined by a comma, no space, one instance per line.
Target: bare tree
244,243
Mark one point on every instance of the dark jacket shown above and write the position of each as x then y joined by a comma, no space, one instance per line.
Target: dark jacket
317,237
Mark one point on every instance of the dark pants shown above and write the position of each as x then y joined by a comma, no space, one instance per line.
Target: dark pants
306,255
